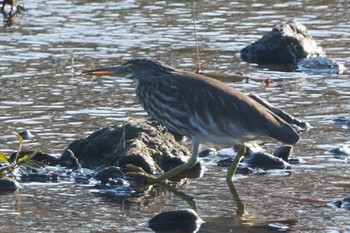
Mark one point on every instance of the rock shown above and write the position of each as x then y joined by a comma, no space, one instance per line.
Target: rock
207,152
140,142
287,43
284,152
8,185
256,157
343,121
69,160
341,151
109,173
344,203
115,192
26,135
34,177
320,65
176,221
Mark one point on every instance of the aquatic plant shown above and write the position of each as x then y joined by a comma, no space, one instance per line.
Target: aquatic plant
10,164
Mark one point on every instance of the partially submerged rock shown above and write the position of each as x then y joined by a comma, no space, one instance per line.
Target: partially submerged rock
344,203
8,185
109,173
320,65
176,221
341,151
140,142
287,43
257,158
343,121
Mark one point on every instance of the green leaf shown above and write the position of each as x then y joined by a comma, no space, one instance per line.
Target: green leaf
27,157
3,158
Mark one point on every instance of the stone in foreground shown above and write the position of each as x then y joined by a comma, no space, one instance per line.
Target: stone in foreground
140,142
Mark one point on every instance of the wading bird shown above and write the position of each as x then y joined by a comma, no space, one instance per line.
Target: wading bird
202,108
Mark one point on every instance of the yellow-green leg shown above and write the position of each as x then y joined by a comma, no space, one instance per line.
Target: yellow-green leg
173,172
232,170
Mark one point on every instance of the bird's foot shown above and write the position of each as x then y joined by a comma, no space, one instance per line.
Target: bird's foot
151,179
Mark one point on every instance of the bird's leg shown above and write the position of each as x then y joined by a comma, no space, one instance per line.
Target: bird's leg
173,172
231,171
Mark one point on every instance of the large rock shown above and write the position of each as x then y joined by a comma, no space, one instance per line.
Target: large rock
140,142
287,43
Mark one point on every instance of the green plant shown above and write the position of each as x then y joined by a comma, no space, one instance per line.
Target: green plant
12,164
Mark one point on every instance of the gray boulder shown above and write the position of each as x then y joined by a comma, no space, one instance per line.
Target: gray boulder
140,142
287,43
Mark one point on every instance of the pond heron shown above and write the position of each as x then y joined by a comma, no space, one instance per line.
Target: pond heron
202,108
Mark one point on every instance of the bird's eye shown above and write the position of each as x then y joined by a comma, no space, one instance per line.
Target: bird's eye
131,67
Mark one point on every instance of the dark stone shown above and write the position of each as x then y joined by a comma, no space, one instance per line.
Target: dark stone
139,159
287,43
26,134
320,65
343,121
81,179
341,150
68,159
207,152
109,173
176,221
36,177
241,169
258,158
8,185
284,152
344,203
140,142
115,192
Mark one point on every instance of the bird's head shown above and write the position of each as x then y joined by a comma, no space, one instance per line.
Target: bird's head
136,69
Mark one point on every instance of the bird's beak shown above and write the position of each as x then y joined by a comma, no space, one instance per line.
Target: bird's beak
113,71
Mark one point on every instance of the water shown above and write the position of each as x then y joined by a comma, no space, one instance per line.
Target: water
41,89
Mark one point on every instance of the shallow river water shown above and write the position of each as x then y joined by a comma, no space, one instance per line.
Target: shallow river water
44,50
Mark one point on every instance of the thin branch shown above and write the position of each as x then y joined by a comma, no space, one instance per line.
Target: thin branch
199,67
